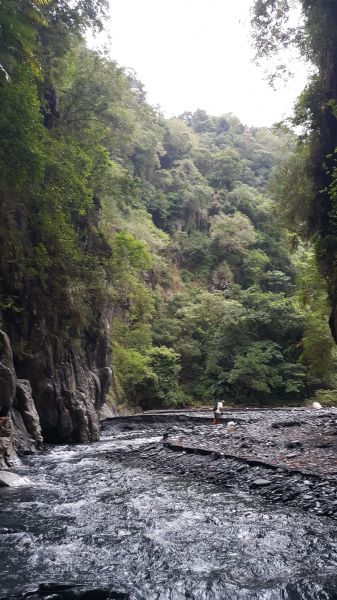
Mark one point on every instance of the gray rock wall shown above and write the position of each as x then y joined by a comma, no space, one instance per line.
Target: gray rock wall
58,400
20,429
7,375
69,388
57,388
57,391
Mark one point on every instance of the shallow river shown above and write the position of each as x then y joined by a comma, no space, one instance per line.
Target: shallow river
87,518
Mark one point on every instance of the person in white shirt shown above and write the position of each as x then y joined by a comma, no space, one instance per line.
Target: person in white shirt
218,410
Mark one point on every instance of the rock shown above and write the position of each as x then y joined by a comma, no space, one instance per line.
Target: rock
69,379
8,479
281,424
261,482
7,393
294,444
107,412
20,429
7,375
316,405
8,456
25,404
21,441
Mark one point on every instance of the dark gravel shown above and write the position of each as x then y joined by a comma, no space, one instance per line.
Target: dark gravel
286,456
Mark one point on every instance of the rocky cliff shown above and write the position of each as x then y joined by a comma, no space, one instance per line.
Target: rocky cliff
54,395
20,429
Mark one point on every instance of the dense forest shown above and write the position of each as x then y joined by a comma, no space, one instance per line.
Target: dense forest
184,245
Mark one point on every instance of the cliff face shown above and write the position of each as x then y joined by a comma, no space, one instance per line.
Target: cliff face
54,396
69,387
20,429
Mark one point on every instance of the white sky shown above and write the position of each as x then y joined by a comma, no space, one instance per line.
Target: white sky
193,54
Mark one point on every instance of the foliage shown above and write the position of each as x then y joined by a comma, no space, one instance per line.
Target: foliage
157,232
309,177
161,388
325,397
18,34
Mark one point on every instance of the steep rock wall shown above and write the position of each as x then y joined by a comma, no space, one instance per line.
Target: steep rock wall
20,429
54,395
69,387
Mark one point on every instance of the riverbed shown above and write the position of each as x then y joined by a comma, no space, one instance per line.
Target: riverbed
94,519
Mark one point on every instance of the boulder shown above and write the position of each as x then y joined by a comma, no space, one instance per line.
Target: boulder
9,479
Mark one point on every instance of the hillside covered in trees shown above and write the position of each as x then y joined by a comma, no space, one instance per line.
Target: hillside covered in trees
147,245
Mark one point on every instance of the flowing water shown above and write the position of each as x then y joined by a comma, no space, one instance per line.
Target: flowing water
88,518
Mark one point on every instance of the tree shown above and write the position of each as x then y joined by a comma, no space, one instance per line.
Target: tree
225,169
315,38
232,235
19,21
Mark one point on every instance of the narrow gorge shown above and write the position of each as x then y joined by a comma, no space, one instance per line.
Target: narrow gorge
168,357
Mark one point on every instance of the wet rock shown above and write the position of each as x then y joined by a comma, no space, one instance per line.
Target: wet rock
7,375
26,406
8,479
20,430
190,452
261,482
294,444
5,437
7,393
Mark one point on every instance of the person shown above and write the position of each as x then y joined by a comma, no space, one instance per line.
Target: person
218,410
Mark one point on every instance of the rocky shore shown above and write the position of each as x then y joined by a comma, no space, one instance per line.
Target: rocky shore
286,456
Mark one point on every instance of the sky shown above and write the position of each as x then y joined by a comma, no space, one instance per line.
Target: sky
193,54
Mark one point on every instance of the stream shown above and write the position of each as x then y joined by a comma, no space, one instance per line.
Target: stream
88,518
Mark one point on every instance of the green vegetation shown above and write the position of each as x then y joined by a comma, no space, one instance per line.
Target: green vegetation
305,186
162,228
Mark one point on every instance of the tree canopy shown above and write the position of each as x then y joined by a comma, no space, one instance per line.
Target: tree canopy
164,229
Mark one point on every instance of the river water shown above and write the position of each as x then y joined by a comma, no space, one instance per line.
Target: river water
88,518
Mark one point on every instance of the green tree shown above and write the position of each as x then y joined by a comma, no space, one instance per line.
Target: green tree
225,169
18,34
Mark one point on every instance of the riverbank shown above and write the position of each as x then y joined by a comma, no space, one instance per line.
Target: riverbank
286,456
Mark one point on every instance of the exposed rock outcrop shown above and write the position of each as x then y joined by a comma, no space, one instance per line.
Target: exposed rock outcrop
7,375
25,418
20,429
58,385
69,388
58,399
